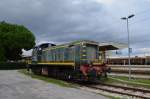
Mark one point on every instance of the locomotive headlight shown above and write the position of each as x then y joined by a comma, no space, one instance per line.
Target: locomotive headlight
84,46
90,65
82,43
83,50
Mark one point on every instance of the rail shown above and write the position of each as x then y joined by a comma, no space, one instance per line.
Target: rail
123,90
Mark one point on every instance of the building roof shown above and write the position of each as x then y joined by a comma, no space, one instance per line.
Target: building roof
111,46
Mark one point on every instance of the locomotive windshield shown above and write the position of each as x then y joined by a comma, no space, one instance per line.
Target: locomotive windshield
89,53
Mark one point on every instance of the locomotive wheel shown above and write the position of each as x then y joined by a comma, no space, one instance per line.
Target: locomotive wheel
36,70
105,74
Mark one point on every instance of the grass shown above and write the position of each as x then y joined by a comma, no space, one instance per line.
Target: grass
47,79
144,81
124,80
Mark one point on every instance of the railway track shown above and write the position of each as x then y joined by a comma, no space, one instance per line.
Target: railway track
145,70
122,90
135,76
133,66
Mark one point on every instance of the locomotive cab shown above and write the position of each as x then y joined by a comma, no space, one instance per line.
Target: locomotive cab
37,51
91,65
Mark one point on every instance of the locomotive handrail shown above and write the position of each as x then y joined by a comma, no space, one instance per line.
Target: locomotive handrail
58,63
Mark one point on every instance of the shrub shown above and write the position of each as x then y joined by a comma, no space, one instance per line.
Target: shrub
12,65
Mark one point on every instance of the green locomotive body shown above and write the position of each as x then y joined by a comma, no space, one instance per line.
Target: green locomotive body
76,60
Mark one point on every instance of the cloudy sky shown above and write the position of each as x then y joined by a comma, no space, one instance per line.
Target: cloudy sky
62,21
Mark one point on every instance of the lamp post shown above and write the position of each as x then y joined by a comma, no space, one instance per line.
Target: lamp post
129,49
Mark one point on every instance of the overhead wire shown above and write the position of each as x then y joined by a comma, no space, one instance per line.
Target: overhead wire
141,13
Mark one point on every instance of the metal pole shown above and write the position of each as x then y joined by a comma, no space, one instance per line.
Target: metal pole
129,64
129,49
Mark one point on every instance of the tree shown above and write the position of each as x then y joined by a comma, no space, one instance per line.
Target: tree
14,38
2,57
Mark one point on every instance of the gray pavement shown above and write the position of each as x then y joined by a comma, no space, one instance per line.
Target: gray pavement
14,85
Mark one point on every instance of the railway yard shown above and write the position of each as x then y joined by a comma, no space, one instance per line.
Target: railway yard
71,66
76,73
75,49
116,86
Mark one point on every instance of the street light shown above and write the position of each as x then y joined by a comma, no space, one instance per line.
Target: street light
129,49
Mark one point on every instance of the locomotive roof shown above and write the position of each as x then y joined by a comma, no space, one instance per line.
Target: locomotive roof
73,43
85,41
102,46
43,46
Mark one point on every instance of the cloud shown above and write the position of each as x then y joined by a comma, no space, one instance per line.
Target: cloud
63,21
106,2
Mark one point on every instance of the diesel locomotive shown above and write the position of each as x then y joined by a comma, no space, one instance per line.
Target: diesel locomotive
76,60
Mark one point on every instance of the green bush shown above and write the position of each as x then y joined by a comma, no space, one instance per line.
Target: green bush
12,65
